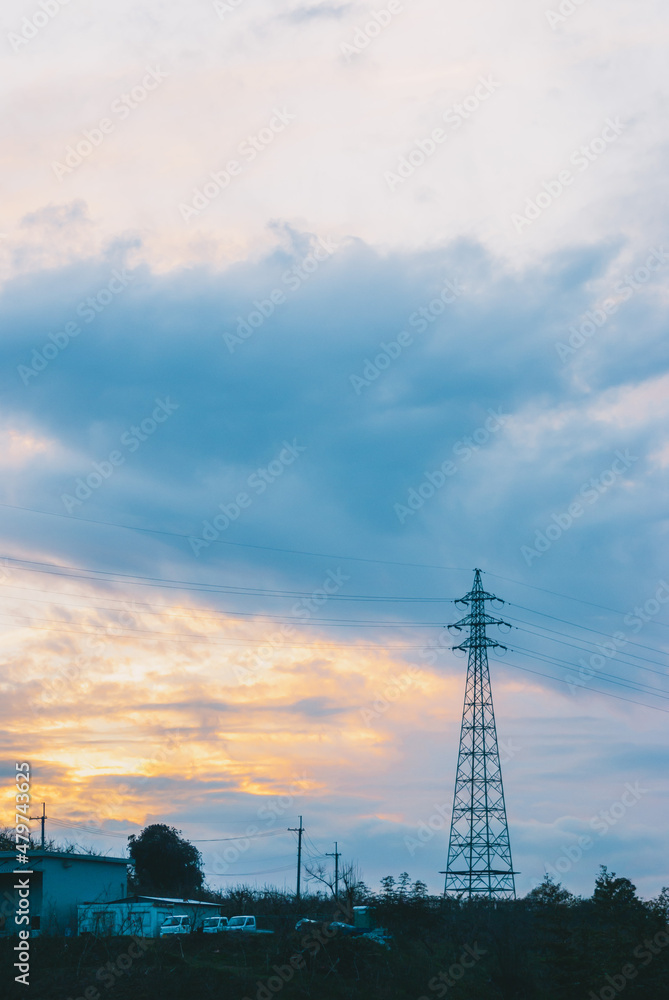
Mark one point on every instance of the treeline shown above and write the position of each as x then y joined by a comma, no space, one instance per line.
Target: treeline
549,945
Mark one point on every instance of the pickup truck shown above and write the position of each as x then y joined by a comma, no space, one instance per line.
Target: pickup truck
179,923
244,925
214,925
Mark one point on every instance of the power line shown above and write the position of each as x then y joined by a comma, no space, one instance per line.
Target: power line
268,871
107,577
313,846
608,694
567,597
640,688
85,829
280,857
259,617
93,575
587,628
223,616
154,636
242,836
87,573
305,552
316,855
197,840
562,642
242,545
186,638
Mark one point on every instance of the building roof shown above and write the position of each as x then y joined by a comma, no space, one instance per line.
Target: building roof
39,855
164,899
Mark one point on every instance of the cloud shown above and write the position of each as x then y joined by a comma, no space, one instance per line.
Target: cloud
320,392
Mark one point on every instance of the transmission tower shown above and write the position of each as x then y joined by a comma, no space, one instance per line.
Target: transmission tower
479,852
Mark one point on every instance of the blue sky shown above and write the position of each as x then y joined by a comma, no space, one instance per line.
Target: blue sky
317,373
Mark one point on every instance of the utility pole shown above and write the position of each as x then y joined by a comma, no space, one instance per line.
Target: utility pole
479,852
299,830
43,819
336,855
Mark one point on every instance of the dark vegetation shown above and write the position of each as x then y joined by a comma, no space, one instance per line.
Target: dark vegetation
163,863
548,946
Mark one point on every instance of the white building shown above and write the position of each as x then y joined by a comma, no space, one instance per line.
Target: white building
140,915
60,881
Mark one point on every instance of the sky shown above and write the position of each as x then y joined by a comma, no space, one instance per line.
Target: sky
307,310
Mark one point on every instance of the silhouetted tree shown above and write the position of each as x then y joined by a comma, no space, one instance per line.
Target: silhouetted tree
403,885
164,863
612,892
550,893
388,887
661,904
419,891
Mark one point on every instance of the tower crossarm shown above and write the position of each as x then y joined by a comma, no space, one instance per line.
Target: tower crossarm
479,642
477,619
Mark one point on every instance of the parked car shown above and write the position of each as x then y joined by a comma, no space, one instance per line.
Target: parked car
178,923
244,925
214,925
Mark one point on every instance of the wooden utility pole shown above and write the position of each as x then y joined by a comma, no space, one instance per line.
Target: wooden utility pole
299,830
336,855
43,818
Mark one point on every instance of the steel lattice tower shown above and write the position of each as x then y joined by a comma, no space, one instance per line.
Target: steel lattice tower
479,852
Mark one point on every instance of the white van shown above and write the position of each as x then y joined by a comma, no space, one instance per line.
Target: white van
214,925
178,923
